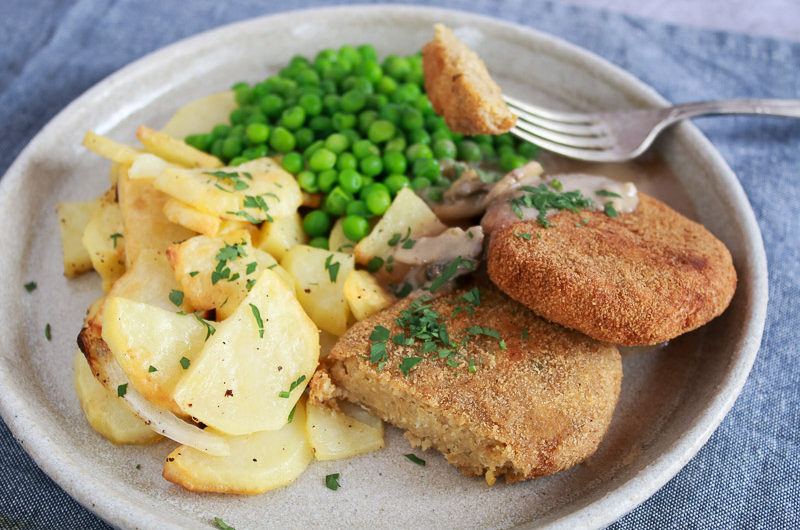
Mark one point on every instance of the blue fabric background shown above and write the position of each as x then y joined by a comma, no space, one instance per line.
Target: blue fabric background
748,474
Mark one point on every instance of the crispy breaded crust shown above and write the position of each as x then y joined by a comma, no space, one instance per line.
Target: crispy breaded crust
535,408
642,278
460,88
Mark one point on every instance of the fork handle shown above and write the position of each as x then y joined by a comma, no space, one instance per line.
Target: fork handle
789,108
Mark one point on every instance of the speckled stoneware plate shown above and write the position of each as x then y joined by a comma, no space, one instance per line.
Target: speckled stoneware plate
672,398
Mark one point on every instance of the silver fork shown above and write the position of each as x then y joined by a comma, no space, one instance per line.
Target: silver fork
623,135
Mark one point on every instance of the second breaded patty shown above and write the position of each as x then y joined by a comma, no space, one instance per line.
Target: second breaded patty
534,404
641,278
460,88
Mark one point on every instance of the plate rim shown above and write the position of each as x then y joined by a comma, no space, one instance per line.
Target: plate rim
630,493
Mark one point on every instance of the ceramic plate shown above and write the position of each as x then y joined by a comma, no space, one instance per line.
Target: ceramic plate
672,398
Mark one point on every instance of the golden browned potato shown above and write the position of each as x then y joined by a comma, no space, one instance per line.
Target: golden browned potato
175,150
72,220
104,239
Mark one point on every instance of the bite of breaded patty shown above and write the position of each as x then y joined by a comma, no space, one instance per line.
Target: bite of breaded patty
538,400
641,278
460,88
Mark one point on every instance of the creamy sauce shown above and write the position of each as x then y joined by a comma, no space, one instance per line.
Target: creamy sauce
447,246
593,187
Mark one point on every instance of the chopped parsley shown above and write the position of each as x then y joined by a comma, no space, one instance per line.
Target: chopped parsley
332,268
222,525
543,199
250,283
610,210
472,298
489,332
47,333
122,389
257,202
194,273
210,330
332,481
232,177
606,193
251,267
450,271
285,394
525,335
241,213
226,254
176,297
408,363
557,185
291,414
472,367
114,238
185,363
414,458
257,316
524,235
30,286
375,264
152,369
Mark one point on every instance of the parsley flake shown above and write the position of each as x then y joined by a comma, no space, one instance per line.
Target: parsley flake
543,199
408,363
194,273
285,394
449,272
606,193
122,389
222,525
30,286
524,235
185,363
414,458
332,481
291,414
114,238
47,334
257,316
375,264
251,267
332,268
610,210
210,330
176,297
152,369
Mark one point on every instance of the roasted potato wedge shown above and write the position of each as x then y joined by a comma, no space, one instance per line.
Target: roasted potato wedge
282,234
72,220
175,150
364,295
104,241
343,431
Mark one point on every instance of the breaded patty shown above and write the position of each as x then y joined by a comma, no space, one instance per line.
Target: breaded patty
460,88
535,404
641,278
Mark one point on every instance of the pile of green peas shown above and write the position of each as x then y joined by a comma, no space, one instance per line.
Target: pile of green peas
354,130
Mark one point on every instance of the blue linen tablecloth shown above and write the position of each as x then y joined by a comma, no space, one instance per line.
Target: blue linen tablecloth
748,474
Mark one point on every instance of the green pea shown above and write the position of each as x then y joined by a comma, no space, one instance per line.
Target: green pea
427,168
257,133
353,101
367,52
362,84
371,165
411,119
256,151
281,140
271,105
220,131
342,121
503,139
304,137
397,67
364,148
487,151
200,141
369,70
381,131
293,117
396,182
416,151
346,161
378,199
394,162
350,53
419,136
337,142
406,93
316,223
441,134
436,194
243,95
322,159
355,227
469,151
331,103
424,105
314,147
398,143
216,147
327,179
386,85
311,103
390,112
420,183
509,161
293,162
528,150
299,60
236,116
307,76
357,207
319,242
351,134
336,201
232,147
444,149
350,180
320,124
307,180
238,160
365,119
